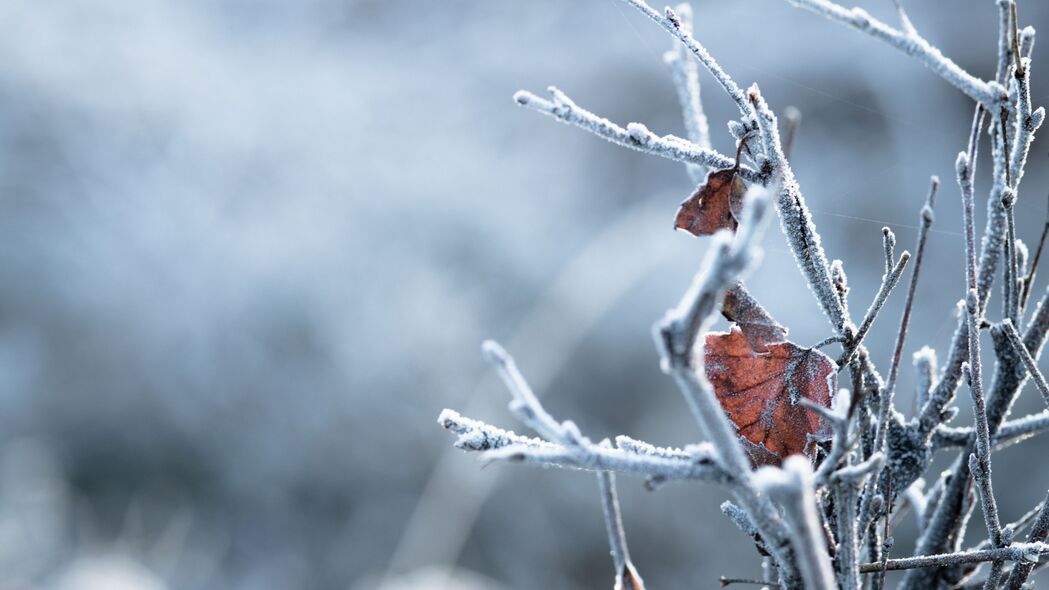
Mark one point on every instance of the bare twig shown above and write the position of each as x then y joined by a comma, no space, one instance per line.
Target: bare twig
1029,279
860,470
1009,432
839,417
1010,284
673,24
846,495
1027,35
1027,120
1026,358
886,400
1038,534
943,393
627,577
1015,552
888,283
981,460
1005,46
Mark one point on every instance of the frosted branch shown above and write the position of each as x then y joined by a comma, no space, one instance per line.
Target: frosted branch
990,94
1005,45
925,371
1037,535
796,220
1027,36
1010,283
640,447
698,464
1017,552
980,461
792,487
1009,433
888,283
635,136
673,24
839,418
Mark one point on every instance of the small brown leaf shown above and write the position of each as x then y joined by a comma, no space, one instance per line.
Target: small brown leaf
762,391
717,204
709,208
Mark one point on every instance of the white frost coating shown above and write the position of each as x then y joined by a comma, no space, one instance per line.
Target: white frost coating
565,446
792,487
670,21
562,108
991,94
795,219
685,73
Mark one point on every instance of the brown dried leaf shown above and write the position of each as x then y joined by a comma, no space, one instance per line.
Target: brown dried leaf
761,392
717,204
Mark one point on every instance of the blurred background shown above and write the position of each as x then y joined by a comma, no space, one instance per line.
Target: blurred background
249,250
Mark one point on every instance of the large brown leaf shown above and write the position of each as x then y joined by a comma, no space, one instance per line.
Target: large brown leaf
761,392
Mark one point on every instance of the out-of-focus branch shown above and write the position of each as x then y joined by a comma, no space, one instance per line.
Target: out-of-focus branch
839,418
791,124
792,488
685,72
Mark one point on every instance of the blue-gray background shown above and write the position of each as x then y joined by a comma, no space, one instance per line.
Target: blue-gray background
248,251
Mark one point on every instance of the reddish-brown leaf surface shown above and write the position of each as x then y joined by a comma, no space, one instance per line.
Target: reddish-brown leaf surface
761,392
717,204
710,207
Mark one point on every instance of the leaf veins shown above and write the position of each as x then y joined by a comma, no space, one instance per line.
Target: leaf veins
762,391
